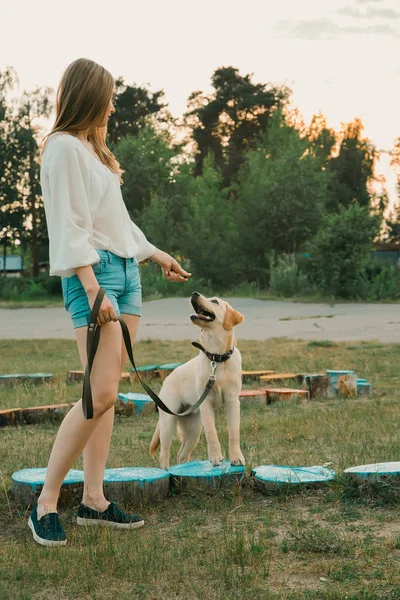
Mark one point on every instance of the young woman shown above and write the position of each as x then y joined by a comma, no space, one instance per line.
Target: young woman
93,244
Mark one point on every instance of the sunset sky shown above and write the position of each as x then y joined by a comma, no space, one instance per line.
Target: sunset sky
340,57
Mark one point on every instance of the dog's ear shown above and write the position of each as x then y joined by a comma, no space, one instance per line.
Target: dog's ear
232,317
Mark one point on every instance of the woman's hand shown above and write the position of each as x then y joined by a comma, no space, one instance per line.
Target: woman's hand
171,268
106,311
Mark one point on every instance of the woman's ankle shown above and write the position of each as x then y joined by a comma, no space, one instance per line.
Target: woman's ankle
99,503
44,507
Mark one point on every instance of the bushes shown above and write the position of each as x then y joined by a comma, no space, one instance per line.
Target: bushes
340,251
381,281
286,278
26,288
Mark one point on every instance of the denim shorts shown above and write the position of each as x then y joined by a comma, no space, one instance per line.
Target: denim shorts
119,277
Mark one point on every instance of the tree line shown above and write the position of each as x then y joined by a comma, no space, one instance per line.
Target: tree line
240,186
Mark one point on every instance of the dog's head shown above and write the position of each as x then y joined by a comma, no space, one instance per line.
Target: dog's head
211,312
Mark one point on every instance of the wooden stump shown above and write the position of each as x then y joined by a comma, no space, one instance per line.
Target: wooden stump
10,416
39,378
135,404
165,370
278,377
12,379
138,486
376,472
147,372
253,397
248,376
319,386
40,414
28,483
364,389
285,394
78,377
273,478
75,377
202,476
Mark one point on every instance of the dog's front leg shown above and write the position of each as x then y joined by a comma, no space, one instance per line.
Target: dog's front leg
213,445
232,408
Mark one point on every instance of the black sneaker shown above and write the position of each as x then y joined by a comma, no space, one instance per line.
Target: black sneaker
112,516
47,530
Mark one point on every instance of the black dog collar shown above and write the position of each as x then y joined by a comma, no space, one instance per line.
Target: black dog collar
214,357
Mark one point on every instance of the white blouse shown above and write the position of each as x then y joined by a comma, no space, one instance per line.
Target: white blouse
84,208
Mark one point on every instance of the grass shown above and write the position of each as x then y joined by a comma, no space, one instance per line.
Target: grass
316,544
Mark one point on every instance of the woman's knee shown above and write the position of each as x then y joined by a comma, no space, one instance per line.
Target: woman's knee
104,399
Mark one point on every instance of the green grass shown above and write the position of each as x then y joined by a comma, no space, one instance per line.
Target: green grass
316,544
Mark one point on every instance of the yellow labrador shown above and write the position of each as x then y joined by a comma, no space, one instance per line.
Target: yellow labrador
184,386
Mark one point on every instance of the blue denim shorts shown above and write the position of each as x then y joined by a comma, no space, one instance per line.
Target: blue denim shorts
119,277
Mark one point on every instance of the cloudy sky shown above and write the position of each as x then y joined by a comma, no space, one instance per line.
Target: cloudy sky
341,57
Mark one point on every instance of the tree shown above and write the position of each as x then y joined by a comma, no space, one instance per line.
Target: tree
11,213
229,122
281,194
167,217
22,214
132,105
352,169
212,240
341,248
32,105
148,160
322,139
395,162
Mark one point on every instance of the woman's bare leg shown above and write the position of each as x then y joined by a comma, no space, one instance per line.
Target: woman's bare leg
97,447
75,429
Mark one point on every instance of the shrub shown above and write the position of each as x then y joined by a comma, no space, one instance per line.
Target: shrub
340,251
286,278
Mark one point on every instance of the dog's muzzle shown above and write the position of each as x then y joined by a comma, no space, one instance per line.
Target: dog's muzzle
202,314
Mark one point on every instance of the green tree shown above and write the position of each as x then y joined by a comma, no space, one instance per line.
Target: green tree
149,161
21,205
280,197
340,250
211,240
11,213
132,105
24,139
229,122
352,170
166,218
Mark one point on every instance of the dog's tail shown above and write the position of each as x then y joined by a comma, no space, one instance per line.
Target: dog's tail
155,442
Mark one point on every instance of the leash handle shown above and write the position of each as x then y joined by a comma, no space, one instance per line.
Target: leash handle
92,342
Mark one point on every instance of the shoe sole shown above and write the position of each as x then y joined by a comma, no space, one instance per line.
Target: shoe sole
103,522
42,541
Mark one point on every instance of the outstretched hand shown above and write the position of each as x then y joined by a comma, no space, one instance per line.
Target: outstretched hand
172,270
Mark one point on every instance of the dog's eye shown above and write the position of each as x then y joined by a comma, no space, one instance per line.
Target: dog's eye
215,301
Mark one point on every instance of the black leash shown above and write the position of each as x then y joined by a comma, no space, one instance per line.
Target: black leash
92,342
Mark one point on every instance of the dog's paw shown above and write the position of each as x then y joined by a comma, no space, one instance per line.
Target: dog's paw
237,459
164,463
216,460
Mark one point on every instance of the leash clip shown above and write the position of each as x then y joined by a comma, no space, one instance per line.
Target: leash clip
213,369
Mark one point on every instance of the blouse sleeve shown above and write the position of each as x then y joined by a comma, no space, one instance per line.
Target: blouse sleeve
145,248
68,216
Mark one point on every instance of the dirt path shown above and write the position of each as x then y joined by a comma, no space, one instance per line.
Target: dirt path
169,320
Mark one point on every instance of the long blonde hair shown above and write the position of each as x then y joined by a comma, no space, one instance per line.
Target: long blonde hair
83,96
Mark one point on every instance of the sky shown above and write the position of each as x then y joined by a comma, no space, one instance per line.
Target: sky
340,57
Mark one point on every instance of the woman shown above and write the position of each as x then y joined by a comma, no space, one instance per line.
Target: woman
93,243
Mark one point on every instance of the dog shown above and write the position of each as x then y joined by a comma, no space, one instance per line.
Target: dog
185,385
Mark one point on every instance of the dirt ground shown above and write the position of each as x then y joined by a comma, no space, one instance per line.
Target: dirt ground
169,320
